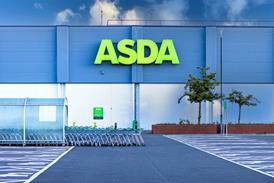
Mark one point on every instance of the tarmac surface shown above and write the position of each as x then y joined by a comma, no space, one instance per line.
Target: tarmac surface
162,160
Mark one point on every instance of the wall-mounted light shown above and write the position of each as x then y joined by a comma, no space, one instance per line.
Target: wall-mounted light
102,72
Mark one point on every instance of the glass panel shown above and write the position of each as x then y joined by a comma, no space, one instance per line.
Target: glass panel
262,113
11,123
216,108
158,103
44,123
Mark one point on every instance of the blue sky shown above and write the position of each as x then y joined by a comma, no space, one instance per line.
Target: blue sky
87,12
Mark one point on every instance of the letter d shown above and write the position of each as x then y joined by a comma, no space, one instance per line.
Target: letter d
141,44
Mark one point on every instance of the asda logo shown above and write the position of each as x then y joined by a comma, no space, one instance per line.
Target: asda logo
131,52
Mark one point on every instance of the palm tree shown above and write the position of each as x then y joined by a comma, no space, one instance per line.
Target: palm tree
242,100
201,89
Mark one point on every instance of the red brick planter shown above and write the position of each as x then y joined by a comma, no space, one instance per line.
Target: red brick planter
250,128
184,129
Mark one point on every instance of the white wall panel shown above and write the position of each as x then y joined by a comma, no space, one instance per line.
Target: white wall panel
116,99
28,90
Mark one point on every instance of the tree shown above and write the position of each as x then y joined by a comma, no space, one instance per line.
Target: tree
201,89
242,100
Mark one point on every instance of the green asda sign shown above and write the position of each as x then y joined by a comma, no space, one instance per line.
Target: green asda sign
130,52
98,113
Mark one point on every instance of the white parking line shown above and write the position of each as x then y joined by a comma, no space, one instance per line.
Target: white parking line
18,164
260,159
47,167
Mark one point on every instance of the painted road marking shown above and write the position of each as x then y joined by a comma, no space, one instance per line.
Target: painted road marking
21,164
47,167
255,154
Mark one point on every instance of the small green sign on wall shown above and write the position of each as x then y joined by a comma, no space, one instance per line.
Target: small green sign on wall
98,113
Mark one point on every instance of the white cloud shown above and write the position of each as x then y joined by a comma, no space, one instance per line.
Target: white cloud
64,16
108,8
38,5
131,15
232,9
166,10
235,8
82,7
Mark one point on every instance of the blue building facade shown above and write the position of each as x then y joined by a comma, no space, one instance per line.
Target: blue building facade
63,56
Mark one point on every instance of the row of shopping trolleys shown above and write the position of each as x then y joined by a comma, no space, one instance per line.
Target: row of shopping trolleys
104,139
76,138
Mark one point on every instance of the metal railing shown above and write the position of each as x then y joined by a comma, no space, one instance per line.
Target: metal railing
192,23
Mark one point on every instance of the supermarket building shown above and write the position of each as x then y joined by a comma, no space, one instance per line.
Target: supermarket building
59,62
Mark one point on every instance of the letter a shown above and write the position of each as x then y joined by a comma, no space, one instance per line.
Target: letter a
106,45
167,45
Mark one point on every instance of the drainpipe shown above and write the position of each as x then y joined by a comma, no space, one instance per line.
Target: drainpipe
221,78
137,103
24,122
